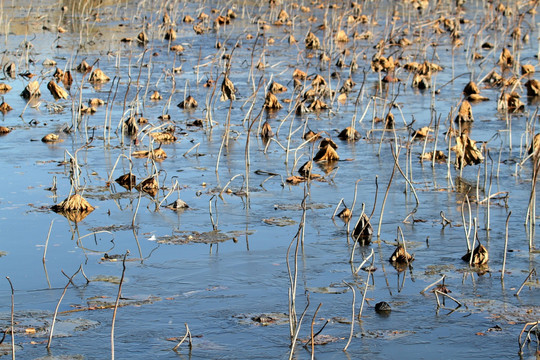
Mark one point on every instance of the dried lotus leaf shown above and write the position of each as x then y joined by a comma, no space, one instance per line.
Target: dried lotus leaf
299,74
471,88
56,91
98,76
4,88
127,181
227,90
149,186
480,256
318,105
177,205
327,153
349,133
401,256
156,96
363,231
466,152
188,103
312,42
533,87
157,154
170,34
5,107
74,202
527,69
266,131
84,67
94,102
271,102
506,59
277,88
142,37
51,138
476,98
177,48
4,130
131,126
345,215
31,90
163,137
465,112
341,36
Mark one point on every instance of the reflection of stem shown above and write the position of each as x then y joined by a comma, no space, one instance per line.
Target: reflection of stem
505,245
365,290
116,303
384,200
352,316
47,243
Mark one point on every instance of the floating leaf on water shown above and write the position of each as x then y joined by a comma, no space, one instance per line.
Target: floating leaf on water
149,186
282,221
189,237
350,134
49,62
480,256
341,36
321,339
107,278
156,154
271,102
227,90
87,109
74,202
311,136
188,19
95,102
177,205
163,137
263,319
177,48
345,215
31,90
188,103
363,231
98,76
51,138
156,96
465,112
383,307
439,156
476,98
5,107
142,37
127,181
510,102
56,91
4,130
466,152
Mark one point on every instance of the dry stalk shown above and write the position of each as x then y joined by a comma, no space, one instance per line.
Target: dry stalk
117,301
352,316
12,320
365,289
533,271
187,335
505,245
432,285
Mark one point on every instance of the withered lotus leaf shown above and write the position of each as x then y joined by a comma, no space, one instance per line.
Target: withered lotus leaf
266,131
326,153
163,137
277,88
535,145
527,69
299,74
4,130
465,112
177,205
510,102
227,90
422,133
74,202
51,138
296,179
170,34
177,48
142,37
428,156
476,98
31,90
292,40
318,105
156,96
471,88
328,142
188,19
4,107
87,109
347,86
389,121
10,69
283,16
84,67
421,82
98,76
506,59
363,231
341,36
480,256
188,103
349,133
306,171
312,41
149,186
127,181
94,102
342,98
131,126
4,88
466,152
401,256
271,102
56,91
166,19
345,215
311,136
318,81
533,87
157,154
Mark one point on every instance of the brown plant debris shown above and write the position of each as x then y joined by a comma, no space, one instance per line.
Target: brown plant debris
266,131
188,103
131,126
326,153
74,202
4,130
306,171
156,96
506,59
471,88
277,88
533,87
177,205
95,102
480,256
31,90
466,152
4,88
83,67
422,133
510,102
311,136
51,138
4,107
439,156
157,154
400,256
345,215
299,74
170,34
465,112
177,48
312,41
163,137
56,91
127,181
421,82
318,105
476,98
341,36
527,69
363,231
535,145
149,186
350,134
271,102
98,76
227,90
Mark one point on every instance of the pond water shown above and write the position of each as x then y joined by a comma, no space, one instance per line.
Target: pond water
220,265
